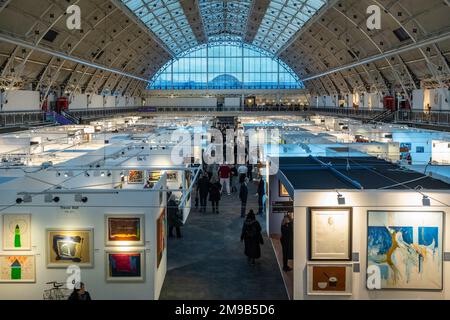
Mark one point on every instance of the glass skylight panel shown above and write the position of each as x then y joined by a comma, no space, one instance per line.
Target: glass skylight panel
166,19
225,18
282,21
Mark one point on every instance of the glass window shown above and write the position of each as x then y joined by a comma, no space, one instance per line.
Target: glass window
225,66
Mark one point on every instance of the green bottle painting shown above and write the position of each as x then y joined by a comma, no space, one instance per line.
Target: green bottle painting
16,270
17,242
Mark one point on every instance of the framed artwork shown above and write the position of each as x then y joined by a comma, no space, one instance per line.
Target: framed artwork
330,234
70,246
406,248
172,176
154,176
136,176
17,268
161,236
282,191
330,279
124,230
125,266
16,232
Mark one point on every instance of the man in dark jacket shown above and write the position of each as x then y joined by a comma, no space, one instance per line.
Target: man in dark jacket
243,195
287,241
173,218
261,192
203,190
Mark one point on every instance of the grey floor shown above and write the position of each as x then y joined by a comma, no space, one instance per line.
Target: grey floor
209,262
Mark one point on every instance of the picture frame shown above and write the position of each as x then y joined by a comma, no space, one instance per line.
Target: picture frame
161,230
330,234
136,177
17,268
16,232
70,246
415,232
124,230
125,265
329,279
172,176
154,176
282,191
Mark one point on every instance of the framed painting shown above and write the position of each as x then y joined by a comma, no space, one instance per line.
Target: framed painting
330,279
16,232
330,234
161,236
17,268
282,191
172,176
70,246
405,249
154,176
125,266
124,230
135,176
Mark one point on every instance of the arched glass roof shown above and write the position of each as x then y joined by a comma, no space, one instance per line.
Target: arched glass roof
174,21
225,65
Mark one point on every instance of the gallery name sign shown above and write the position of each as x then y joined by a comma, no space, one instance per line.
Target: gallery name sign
69,209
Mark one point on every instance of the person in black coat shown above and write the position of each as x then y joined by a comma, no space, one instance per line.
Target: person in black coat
243,195
173,217
80,294
215,189
287,241
251,235
261,192
203,190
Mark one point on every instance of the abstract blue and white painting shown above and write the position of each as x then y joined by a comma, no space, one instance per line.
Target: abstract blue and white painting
407,248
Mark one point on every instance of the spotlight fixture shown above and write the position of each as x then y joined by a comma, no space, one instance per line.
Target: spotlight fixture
109,174
86,174
426,201
24,199
56,199
58,174
102,174
340,199
80,198
122,174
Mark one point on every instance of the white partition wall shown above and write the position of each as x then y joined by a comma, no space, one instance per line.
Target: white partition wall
361,202
21,100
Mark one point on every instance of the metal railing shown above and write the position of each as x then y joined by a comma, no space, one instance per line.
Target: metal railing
96,113
440,118
21,118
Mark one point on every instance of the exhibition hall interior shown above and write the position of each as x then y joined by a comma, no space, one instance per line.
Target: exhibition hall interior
224,150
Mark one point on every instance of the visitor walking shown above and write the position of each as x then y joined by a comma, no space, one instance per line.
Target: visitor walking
214,194
261,192
224,174
287,241
242,171
243,196
233,179
173,218
251,235
203,190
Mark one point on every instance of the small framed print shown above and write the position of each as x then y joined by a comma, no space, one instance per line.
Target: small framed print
17,268
125,265
124,230
136,176
330,279
172,176
330,234
17,232
282,191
